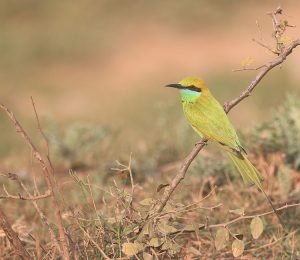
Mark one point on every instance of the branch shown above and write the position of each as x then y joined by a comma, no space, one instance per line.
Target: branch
285,51
265,69
36,154
13,237
47,177
252,216
16,178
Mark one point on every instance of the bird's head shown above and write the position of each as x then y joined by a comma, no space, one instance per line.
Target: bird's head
190,88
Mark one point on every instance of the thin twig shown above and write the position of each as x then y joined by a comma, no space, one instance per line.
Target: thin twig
243,69
252,216
266,47
16,178
272,243
277,61
126,168
41,131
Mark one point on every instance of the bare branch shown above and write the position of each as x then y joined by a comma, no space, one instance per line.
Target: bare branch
23,134
42,132
16,178
277,61
252,216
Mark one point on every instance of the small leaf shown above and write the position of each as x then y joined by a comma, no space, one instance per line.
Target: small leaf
171,247
131,249
147,229
193,227
256,227
147,202
161,186
167,245
285,39
164,228
190,227
246,61
155,242
237,247
147,256
240,212
222,237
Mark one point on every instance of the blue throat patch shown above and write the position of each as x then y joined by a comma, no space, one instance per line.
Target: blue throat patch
189,95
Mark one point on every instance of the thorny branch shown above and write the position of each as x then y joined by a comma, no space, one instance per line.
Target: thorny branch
285,51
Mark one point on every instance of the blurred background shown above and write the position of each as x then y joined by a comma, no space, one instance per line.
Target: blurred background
96,70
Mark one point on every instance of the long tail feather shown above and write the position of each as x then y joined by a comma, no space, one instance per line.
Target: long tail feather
247,170
251,174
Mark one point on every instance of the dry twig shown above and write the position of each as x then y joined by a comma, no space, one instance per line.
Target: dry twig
16,178
225,224
47,177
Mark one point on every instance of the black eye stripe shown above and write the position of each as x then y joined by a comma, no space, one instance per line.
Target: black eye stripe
193,88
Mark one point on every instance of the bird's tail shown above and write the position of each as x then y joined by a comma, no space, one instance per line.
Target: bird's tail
249,173
252,175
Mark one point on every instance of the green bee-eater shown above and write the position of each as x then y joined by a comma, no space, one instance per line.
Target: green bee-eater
208,118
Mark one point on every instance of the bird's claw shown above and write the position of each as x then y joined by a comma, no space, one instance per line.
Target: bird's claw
201,142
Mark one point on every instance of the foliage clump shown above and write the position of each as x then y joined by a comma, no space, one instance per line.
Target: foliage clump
282,133
76,146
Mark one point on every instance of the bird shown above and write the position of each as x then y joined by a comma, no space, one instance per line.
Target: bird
208,118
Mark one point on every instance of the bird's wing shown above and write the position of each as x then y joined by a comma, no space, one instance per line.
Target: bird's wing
208,118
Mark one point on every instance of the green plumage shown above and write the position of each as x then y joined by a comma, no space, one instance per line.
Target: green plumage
208,119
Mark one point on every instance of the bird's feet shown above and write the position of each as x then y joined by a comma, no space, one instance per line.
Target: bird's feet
201,142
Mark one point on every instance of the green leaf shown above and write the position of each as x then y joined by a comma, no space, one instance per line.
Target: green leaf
222,236
256,227
131,249
165,229
237,247
155,242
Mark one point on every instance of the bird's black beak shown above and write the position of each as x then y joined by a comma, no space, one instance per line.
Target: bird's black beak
176,85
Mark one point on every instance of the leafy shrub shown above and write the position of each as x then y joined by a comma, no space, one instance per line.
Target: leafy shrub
282,133
78,144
